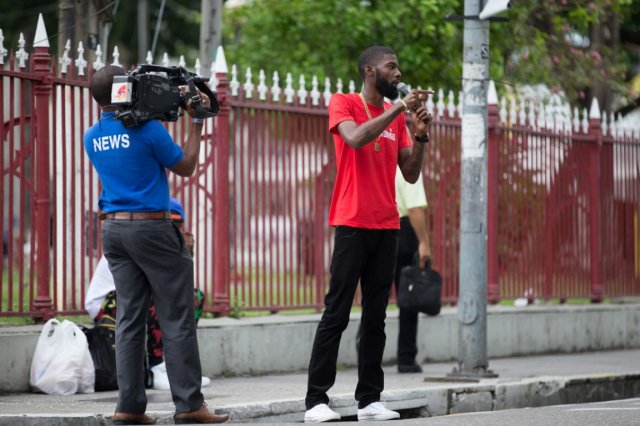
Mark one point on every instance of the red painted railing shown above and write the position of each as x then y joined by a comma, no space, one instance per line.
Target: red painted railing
563,206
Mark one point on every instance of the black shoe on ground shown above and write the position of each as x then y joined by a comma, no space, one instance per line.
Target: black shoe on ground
409,368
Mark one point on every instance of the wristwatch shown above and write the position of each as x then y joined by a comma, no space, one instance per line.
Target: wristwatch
422,139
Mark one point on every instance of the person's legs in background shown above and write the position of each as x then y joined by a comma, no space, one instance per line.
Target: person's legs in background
157,371
408,321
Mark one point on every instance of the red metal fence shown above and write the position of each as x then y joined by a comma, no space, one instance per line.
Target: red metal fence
563,197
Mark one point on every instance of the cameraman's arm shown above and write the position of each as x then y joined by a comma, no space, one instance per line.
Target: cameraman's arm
187,165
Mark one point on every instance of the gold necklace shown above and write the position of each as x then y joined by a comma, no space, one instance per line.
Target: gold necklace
376,145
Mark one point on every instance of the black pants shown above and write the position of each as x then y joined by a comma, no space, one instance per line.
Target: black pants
369,256
408,328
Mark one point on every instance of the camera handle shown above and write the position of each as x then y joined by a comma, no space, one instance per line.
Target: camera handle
200,111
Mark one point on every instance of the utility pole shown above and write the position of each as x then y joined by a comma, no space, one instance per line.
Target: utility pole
210,32
143,30
472,298
66,19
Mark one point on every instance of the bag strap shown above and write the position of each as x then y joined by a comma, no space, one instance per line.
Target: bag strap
416,261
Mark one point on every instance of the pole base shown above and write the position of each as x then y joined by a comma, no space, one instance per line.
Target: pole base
474,373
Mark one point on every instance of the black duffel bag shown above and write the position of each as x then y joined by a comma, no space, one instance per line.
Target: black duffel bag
419,289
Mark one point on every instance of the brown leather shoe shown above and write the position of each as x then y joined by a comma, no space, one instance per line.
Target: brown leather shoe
202,415
132,419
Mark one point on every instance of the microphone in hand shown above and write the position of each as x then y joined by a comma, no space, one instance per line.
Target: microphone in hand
404,91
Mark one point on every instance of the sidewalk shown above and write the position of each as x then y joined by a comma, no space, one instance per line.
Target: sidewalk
522,382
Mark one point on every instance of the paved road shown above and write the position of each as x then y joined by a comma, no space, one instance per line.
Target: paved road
624,412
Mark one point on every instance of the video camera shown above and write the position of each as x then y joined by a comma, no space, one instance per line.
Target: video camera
152,92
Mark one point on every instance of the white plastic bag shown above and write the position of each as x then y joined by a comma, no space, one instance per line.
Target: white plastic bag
62,363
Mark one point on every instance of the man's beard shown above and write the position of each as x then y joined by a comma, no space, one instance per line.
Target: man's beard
385,88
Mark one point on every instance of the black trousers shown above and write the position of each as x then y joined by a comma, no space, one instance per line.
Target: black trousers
367,256
408,324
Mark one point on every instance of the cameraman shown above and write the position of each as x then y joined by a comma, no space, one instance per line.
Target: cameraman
146,252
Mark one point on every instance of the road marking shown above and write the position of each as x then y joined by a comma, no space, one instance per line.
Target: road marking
604,409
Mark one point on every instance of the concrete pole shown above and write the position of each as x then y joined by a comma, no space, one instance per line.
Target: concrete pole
210,32
472,300
143,30
66,19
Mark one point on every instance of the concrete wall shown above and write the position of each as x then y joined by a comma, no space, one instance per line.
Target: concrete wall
283,342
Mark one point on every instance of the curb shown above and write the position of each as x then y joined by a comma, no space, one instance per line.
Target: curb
448,398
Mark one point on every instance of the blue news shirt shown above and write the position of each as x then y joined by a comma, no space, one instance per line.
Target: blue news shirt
131,164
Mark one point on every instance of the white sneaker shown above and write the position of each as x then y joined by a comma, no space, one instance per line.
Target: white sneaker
160,378
320,413
376,411
205,381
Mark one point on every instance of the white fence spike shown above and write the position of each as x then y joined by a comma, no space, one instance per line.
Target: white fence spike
165,59
430,104
513,115
275,88
149,57
22,54
97,64
302,90
3,51
116,56
440,104
196,67
576,119
64,60
585,121
248,84
80,62
262,87
352,86
288,89
315,93
451,104
503,110
522,115
234,84
181,62
532,115
326,95
339,86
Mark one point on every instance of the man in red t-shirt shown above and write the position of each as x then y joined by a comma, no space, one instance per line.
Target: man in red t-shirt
371,139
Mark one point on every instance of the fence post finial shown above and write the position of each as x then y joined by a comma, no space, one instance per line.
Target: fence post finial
492,95
116,56
22,54
80,62
594,112
41,39
3,51
65,60
221,61
97,64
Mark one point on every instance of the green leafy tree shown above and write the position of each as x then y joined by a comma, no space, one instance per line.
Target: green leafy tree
579,46
324,38
583,47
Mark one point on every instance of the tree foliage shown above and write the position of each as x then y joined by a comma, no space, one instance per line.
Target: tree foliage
325,38
579,46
